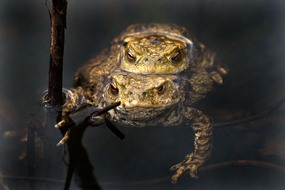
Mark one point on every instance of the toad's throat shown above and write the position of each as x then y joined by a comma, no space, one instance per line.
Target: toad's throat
142,114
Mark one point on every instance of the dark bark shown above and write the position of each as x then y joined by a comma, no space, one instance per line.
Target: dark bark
58,25
54,98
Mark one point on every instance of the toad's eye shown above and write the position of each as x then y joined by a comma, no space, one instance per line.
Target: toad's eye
113,89
176,57
130,57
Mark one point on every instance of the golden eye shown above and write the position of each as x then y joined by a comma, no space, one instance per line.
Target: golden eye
176,57
131,58
113,89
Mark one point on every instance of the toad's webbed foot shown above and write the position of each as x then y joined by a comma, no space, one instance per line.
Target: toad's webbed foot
189,163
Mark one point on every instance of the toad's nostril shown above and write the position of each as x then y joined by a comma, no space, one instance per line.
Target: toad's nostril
143,94
113,89
161,89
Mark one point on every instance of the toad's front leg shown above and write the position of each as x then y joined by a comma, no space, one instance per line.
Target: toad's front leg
202,143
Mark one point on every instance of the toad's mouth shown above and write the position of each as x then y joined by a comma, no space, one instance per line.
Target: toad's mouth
142,113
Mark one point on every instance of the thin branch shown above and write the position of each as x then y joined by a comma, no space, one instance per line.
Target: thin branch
246,163
58,25
248,119
27,178
54,98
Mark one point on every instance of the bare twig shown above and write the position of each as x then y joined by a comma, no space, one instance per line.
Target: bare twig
27,178
58,25
246,163
258,116
54,97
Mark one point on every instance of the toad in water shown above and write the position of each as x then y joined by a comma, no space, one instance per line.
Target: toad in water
157,72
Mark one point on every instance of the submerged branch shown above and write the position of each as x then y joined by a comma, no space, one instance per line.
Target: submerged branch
248,163
255,117
245,163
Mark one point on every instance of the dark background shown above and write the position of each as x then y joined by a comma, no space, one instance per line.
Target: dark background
248,37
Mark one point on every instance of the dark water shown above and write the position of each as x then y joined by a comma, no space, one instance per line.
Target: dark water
247,36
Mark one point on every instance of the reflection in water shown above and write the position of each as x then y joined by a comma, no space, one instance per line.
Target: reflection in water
274,147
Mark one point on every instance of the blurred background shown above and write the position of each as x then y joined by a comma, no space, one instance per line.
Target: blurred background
247,36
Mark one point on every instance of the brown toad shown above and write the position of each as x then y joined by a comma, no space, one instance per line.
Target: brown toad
157,72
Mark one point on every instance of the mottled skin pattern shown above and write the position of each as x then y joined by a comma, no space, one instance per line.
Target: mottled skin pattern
157,72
